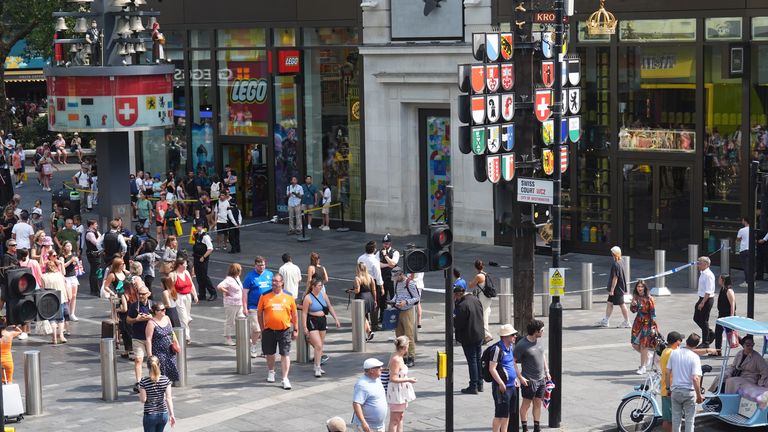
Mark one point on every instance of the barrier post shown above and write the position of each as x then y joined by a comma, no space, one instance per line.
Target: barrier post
303,237
725,256
242,351
302,346
33,384
545,297
660,258
108,369
181,357
586,286
693,274
628,273
342,228
358,325
505,300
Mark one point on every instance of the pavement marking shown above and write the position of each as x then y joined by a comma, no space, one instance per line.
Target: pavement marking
592,347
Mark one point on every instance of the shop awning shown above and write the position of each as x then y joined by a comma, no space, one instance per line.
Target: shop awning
24,76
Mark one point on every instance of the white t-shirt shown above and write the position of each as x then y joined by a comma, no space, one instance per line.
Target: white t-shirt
294,200
291,274
684,364
23,231
221,211
374,268
327,196
743,235
83,179
706,283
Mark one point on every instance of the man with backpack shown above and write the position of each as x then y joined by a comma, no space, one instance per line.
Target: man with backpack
201,252
503,377
406,298
468,325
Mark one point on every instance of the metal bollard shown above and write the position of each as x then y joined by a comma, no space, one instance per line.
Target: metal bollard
181,357
108,369
725,256
660,258
505,300
302,345
586,286
628,273
33,384
358,325
545,297
242,351
693,274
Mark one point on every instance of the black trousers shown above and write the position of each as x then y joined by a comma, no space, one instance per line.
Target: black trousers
701,318
234,239
748,273
93,281
204,284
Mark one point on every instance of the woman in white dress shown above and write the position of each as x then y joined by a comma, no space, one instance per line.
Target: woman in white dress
400,388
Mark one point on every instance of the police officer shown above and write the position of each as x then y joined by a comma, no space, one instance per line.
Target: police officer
201,252
388,259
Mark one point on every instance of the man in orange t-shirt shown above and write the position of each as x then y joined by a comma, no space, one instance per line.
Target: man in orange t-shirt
277,314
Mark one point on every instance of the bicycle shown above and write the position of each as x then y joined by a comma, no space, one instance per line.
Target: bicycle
639,410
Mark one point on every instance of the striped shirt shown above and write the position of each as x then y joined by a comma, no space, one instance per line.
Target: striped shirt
155,403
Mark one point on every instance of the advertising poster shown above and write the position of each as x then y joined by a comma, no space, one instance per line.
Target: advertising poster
438,165
202,147
286,162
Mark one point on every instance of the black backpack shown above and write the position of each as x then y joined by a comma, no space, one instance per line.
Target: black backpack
485,361
489,290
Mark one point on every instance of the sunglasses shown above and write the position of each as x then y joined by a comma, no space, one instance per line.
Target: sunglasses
161,310
144,294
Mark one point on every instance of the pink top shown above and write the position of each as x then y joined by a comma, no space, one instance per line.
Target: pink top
235,291
36,272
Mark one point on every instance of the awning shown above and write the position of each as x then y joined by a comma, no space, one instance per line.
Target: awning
24,76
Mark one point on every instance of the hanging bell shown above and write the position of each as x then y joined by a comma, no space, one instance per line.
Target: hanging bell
121,3
131,49
123,51
140,47
81,26
61,25
139,2
73,48
122,26
136,24
151,22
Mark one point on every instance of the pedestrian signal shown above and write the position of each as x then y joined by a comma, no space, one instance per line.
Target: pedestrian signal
439,247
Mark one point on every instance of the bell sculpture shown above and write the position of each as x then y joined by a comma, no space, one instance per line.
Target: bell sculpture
151,22
61,24
81,26
140,47
121,3
131,49
139,2
123,50
122,27
136,24
73,48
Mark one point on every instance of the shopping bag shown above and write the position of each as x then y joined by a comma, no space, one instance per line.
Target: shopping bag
24,176
192,235
733,338
177,224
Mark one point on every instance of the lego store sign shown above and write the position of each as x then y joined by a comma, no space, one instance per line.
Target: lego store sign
248,91
288,62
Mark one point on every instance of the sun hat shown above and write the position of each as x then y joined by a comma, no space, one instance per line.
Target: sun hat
47,241
372,363
507,330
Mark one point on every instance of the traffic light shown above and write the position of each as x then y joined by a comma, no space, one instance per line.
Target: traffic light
439,247
25,303
416,260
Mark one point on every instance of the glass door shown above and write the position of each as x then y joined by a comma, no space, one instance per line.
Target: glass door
249,162
656,209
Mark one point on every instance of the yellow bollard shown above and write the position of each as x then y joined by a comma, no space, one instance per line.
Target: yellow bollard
442,365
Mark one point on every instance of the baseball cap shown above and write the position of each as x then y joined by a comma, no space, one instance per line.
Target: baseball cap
372,363
397,271
37,211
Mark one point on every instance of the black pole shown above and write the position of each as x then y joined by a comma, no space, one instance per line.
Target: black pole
449,317
556,308
754,166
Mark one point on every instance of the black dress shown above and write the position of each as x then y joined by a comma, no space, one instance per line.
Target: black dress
366,293
161,348
723,310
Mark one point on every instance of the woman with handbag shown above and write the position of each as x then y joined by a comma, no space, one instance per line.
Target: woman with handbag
169,254
315,307
169,300
477,284
726,306
400,389
232,290
160,341
644,329
364,287
114,289
187,294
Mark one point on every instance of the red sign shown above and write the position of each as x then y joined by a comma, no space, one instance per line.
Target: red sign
547,17
126,110
288,62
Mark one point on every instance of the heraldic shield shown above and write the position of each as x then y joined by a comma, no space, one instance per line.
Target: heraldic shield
542,106
478,78
478,140
494,143
493,163
574,71
507,106
492,77
507,76
492,46
574,100
478,46
492,108
508,166
478,109
548,161
508,136
547,73
574,128
548,131
563,158
507,45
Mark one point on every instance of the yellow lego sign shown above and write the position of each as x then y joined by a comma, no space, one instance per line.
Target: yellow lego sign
556,281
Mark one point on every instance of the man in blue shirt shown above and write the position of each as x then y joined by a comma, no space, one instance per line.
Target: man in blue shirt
257,282
369,400
309,199
502,369
458,281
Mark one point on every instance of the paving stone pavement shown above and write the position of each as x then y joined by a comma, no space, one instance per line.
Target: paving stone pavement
598,364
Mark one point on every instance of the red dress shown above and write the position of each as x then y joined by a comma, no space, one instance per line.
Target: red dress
644,328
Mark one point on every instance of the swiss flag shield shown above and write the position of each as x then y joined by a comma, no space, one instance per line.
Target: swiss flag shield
126,110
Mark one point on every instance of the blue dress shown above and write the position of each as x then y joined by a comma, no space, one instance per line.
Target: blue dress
161,348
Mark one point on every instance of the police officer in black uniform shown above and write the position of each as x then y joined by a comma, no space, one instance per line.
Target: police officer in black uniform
201,252
388,259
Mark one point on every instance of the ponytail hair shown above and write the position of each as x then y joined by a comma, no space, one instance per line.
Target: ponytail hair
154,368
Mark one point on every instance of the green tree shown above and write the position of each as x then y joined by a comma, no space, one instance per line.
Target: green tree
30,19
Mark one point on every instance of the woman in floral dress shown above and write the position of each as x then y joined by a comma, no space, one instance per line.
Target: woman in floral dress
644,329
160,333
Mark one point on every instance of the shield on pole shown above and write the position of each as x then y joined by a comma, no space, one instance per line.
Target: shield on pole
574,128
563,73
492,108
543,104
478,78
492,46
564,102
478,109
492,77
507,76
548,131
127,110
494,143
508,166
574,100
548,161
464,72
493,163
507,44
574,71
507,106
563,158
563,130
478,140
478,46
547,44
508,136
548,73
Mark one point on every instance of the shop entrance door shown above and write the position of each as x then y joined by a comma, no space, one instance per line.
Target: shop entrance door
656,208
250,164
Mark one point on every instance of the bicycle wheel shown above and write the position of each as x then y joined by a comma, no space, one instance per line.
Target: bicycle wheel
636,414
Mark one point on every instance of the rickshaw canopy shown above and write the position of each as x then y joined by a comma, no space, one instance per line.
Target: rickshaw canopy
744,325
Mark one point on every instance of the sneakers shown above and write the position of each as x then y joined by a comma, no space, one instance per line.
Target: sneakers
410,362
271,376
309,226
743,285
640,370
229,342
255,353
322,372
325,228
286,384
318,374
625,324
370,336
73,317
602,323
22,336
469,390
